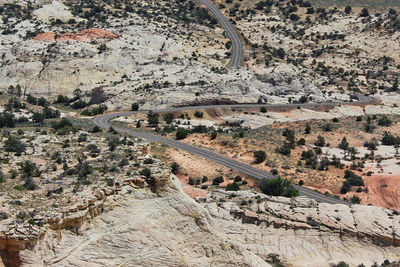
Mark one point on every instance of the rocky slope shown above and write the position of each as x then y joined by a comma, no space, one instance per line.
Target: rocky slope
155,61
139,224
135,225
303,232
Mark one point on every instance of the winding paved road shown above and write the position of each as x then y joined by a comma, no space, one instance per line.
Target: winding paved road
236,61
237,48
103,121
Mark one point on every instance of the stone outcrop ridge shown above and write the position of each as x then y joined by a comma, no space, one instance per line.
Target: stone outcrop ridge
17,236
300,220
373,224
82,36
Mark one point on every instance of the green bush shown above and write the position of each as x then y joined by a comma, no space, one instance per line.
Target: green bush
181,133
284,150
301,142
135,107
341,264
218,180
232,187
145,172
152,119
175,168
13,144
355,200
198,114
344,144
278,187
214,135
260,156
320,141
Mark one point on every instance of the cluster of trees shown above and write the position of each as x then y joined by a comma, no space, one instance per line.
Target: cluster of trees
351,180
311,160
289,143
7,119
94,111
13,144
389,139
64,126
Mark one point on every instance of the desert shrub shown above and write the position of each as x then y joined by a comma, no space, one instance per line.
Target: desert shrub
340,264
13,144
175,168
29,184
284,150
123,162
389,139
181,133
238,179
344,144
371,145
198,114
135,107
353,179
301,142
327,127
232,187
364,12
113,142
213,135
320,141
148,161
278,187
355,200
307,129
384,121
145,172
152,119
260,156
168,118
218,180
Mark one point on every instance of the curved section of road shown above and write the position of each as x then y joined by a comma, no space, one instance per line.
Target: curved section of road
237,47
103,121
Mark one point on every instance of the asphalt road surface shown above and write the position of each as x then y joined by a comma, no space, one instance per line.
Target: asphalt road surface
103,122
237,48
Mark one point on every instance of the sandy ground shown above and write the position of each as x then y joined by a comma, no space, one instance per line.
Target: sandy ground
84,35
193,166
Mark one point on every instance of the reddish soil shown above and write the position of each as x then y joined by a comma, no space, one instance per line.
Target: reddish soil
383,191
84,35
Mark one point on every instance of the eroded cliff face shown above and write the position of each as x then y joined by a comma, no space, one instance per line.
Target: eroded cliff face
153,223
138,225
303,232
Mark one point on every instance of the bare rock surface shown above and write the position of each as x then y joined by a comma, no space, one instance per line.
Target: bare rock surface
141,228
303,232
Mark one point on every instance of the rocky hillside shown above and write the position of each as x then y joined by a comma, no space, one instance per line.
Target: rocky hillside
152,222
155,54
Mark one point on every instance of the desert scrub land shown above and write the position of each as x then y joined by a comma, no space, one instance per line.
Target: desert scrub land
323,154
52,167
155,53
338,48
327,149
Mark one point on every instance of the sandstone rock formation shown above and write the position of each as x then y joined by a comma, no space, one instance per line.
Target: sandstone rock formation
138,224
303,232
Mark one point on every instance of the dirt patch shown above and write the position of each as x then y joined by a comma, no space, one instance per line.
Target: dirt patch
383,191
81,36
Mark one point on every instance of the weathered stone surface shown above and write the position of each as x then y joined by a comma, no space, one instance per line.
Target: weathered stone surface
308,234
